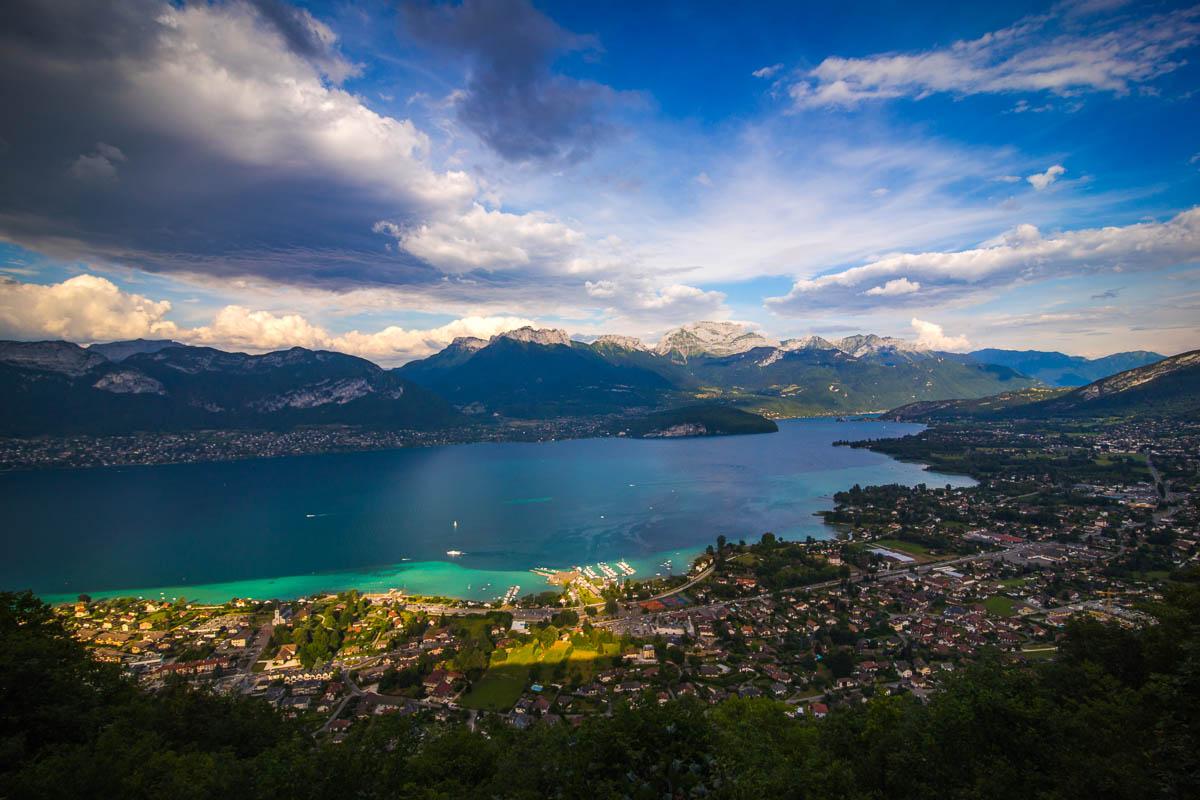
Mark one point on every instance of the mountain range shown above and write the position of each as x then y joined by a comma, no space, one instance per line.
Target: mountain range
535,373
1060,369
160,385
61,388
1168,388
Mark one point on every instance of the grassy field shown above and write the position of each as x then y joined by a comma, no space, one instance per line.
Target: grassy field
498,689
998,605
1013,583
1040,653
501,686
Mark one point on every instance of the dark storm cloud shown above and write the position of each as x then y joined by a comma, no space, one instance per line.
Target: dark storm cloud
296,27
513,100
79,29
119,150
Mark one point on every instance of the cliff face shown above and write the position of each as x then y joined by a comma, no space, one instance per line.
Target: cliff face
617,342
543,336
711,338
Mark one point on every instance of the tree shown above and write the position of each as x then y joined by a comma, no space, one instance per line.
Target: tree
840,662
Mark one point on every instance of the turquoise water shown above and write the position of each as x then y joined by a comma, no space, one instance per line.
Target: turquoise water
295,526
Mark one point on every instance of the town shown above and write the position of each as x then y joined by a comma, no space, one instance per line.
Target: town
86,451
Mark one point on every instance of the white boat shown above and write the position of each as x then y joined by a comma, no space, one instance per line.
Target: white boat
455,553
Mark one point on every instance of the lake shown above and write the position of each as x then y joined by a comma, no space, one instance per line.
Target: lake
288,527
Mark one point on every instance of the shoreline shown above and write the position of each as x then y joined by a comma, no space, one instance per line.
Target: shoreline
374,580
453,578
507,432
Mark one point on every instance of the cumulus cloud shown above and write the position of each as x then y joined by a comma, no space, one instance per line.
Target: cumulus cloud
767,72
1030,56
220,76
489,240
244,154
84,308
239,328
308,37
513,100
931,335
89,308
1021,254
894,287
1040,180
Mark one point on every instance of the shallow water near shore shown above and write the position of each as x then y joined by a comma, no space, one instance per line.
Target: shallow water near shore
290,527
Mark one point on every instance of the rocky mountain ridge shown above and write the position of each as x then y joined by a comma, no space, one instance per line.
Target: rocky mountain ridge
58,387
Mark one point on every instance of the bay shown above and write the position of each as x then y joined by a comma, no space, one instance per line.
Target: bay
295,526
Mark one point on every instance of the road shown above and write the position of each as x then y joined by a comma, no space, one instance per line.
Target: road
1164,489
260,644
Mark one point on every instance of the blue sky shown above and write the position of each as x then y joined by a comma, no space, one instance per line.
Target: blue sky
380,177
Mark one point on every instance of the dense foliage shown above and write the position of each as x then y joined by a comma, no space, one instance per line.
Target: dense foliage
1118,715
717,420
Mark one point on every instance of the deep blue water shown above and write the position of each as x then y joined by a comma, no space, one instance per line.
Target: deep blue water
387,518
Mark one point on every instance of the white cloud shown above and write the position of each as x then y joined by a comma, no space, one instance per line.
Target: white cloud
931,335
1025,57
767,72
703,179
89,308
634,298
1040,180
239,328
894,287
1007,178
1021,254
489,240
223,78
600,288
677,295
85,308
